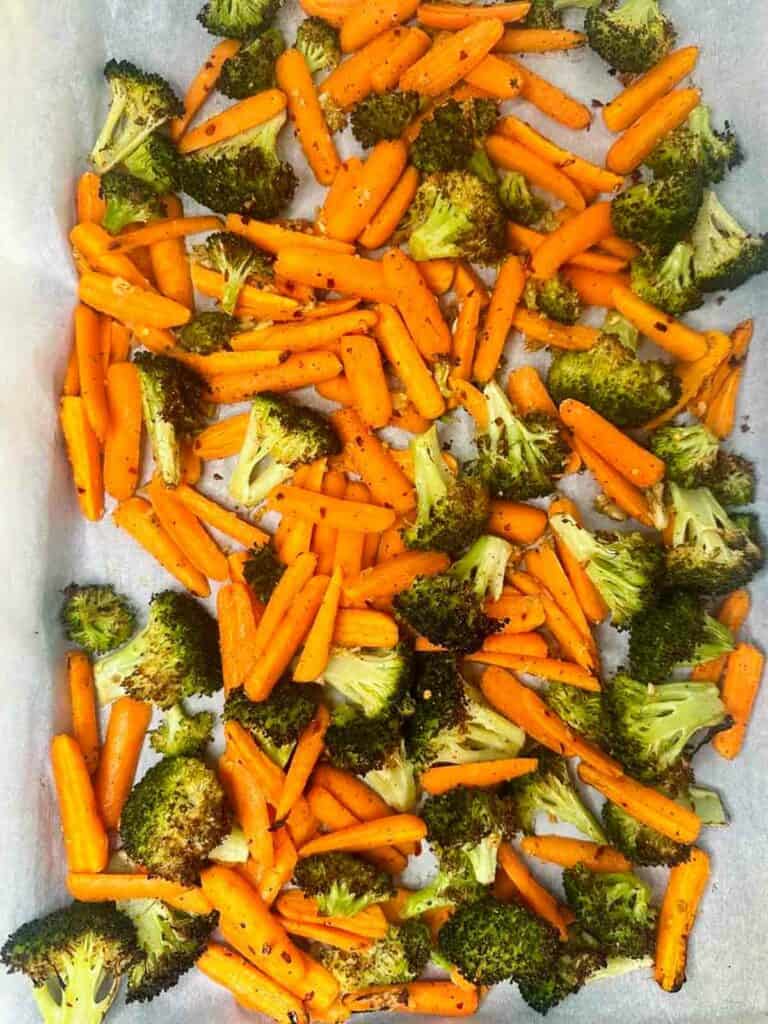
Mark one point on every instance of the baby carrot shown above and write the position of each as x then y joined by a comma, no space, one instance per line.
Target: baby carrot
384,222
485,773
678,913
235,119
397,828
85,839
339,272
539,40
362,365
411,46
220,518
499,318
402,352
549,99
84,456
338,512
351,81
370,18
644,91
741,682
317,647
519,523
122,447
91,370
294,78
187,531
634,462
571,238
532,893
569,852
202,85
374,463
128,723
450,16
82,701
666,114
307,752
453,57
670,334
90,205
508,153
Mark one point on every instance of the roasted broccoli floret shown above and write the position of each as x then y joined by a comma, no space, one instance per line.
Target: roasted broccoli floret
696,148
689,452
576,961
237,19
233,848
640,843
631,35
375,680
383,115
667,283
173,406
285,433
523,206
708,551
342,884
550,790
75,958
489,942
156,163
658,213
128,200
581,710
277,722
449,139
243,174
207,332
448,608
615,908
97,618
262,571
518,457
236,260
398,958
543,14
176,655
139,104
252,69
318,42
180,733
173,817
724,254
732,480
652,724
555,298
170,941
455,215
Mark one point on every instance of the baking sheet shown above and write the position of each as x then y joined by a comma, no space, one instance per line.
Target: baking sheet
52,97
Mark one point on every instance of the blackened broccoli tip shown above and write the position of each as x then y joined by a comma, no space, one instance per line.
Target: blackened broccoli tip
237,260
252,68
614,907
318,42
396,959
209,331
383,116
543,14
451,510
668,283
360,744
170,941
658,213
155,162
451,137
465,828
550,790
237,19
521,204
576,961
140,103
640,843
173,406
695,147
732,480
183,733
582,711
127,200
689,452
97,617
277,722
375,680
665,635
173,817
262,571
455,215
630,35
555,298
518,457
176,655
724,254
280,436
342,884
448,608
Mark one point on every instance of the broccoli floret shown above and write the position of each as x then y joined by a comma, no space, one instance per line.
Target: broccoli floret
554,298
383,116
631,35
543,14
207,332
667,283
455,215
285,433
243,174
236,260
452,723
170,941
576,961
615,908
277,722
139,104
653,724
618,327
173,817
732,480
359,744
696,148
128,200
318,42
342,884
708,551
451,510
550,790
262,571
689,452
233,848
522,205
97,618
658,213
74,958
450,137
489,942
377,681
624,567
448,608
640,843
180,733
156,163
176,655
395,780
724,254
581,710
252,69
336,117
237,19
669,634
398,958
518,457
173,406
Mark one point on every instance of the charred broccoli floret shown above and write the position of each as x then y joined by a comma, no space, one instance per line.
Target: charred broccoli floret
156,163
127,200
658,213
581,710
318,42
277,722
252,69
342,884
375,680
262,571
689,452
630,35
237,19
667,283
207,332
285,433
450,139
236,260
398,958
724,254
696,148
455,215
523,206
181,733
576,960
732,480
383,115
543,14
176,655
373,748
97,618
615,908
550,790
555,298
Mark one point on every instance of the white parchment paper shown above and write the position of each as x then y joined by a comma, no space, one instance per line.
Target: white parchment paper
52,98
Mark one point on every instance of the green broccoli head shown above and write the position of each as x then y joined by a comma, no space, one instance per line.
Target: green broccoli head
631,35
237,19
237,260
342,884
732,480
284,433
128,200
396,959
449,138
543,14
181,733
465,829
207,332
576,961
617,326
522,205
555,298
174,407
318,42
582,711
96,617
140,103
518,457
448,608
277,722
615,908
376,680
696,148
252,68
170,941
262,571
451,511
550,790
724,254
455,215
689,452
176,655
359,744
640,843
75,958
667,283
665,636
174,817
624,567
383,115
658,213
156,163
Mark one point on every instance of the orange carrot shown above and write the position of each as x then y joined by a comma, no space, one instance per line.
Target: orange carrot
85,839
551,100
317,648
252,989
369,923
91,370
275,237
646,90
333,815
743,673
348,551
538,328
351,81
170,265
402,352
465,332
294,78
519,613
565,619
82,701
453,57
484,773
587,594
721,416
299,337
202,85
527,392
451,17
397,828
594,287
494,77
258,303
220,518
119,342
626,456
324,934
571,238
433,998
238,621
251,811
532,893
297,534
84,456
666,114
373,462
368,191
416,304
187,531
386,579
512,156
239,117
363,627
498,322
733,614
281,871
529,645
308,749
685,888
122,447
324,538
539,40
89,202
173,227
128,303
615,485
298,371
90,241
362,366
338,512
412,45
545,668
519,523
333,271
382,225
668,333
368,19
569,852
128,723
71,385
98,888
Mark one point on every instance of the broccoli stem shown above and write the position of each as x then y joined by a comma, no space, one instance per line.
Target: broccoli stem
716,641
79,997
484,858
110,671
430,471
632,13
485,564
249,484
